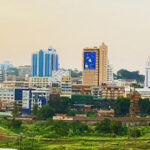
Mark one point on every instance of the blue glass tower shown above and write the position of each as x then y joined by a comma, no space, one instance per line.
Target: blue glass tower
34,65
44,62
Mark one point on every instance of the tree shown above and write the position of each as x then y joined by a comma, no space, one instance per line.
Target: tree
104,126
14,124
125,74
121,106
35,109
144,105
15,111
45,112
60,104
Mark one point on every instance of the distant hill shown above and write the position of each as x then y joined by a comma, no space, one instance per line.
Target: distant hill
125,74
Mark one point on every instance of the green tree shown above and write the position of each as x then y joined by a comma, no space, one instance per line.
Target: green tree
35,109
125,74
60,104
104,126
14,124
15,111
144,105
121,106
45,112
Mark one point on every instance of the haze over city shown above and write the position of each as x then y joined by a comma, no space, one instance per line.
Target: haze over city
69,26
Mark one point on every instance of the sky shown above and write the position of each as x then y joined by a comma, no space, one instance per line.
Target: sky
71,25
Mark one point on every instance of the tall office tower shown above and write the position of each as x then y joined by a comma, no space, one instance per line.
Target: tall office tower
110,76
44,62
147,75
95,66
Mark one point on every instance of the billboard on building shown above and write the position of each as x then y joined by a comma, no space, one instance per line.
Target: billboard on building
90,60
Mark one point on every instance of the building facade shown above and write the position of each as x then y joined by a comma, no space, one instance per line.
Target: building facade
147,74
66,86
112,92
110,76
44,62
6,99
95,65
26,98
40,82
24,71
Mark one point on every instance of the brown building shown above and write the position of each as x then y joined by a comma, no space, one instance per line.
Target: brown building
81,89
106,113
134,99
112,92
95,65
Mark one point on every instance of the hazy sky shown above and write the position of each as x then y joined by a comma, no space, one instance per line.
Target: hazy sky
71,25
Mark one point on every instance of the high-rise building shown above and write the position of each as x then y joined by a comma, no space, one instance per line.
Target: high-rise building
95,66
44,62
147,75
110,77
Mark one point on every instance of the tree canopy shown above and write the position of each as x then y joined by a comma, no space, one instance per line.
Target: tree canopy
125,74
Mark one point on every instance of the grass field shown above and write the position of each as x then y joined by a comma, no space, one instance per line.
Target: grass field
77,143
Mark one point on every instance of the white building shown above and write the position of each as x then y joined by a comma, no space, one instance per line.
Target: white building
40,96
147,73
144,92
6,99
110,76
40,82
66,86
57,75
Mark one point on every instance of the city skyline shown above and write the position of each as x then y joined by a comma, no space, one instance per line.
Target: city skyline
26,28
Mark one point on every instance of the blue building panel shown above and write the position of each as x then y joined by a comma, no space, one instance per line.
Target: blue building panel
41,63
90,60
34,65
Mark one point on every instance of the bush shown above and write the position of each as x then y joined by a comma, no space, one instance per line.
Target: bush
135,132
14,124
108,126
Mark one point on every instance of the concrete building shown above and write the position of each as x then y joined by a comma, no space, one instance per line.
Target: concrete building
66,86
110,76
147,73
57,75
81,89
7,99
15,84
144,92
96,91
5,65
1,76
40,82
95,65
26,98
124,82
112,92
24,71
44,62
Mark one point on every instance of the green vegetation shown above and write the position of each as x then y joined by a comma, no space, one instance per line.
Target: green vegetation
144,105
60,135
121,106
80,99
125,74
